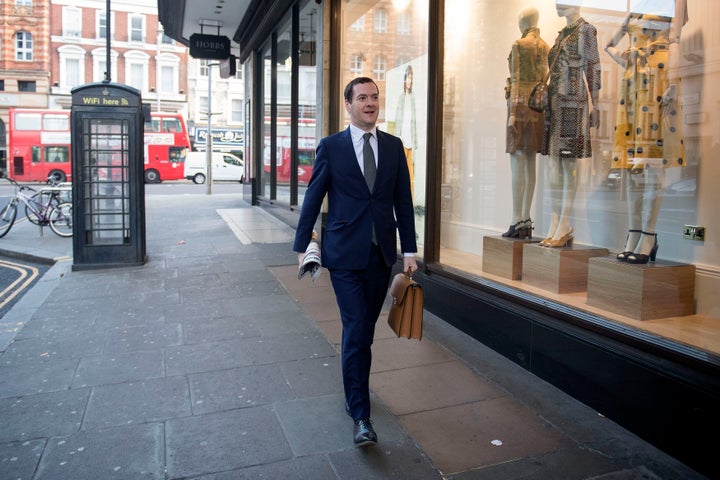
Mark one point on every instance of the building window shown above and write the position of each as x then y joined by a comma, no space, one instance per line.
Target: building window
403,24
203,106
380,67
169,67
136,70
24,3
72,66
72,22
203,68
236,114
100,66
356,64
137,75
26,86
167,79
380,21
137,28
101,23
167,40
2,85
23,46
72,72
358,25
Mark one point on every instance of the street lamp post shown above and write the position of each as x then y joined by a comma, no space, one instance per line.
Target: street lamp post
208,143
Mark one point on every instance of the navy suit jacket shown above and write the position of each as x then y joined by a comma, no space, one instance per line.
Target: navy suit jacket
352,208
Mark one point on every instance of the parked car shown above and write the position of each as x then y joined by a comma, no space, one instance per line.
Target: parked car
225,166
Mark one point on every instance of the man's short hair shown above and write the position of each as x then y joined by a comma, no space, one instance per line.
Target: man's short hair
356,81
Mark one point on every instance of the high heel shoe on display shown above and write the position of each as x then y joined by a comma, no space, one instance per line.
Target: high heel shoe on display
564,241
544,242
622,256
512,231
640,258
524,228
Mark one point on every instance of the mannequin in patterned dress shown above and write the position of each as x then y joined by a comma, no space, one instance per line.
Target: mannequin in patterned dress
527,64
648,131
574,87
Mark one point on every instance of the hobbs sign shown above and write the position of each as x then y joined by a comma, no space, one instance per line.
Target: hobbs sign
214,47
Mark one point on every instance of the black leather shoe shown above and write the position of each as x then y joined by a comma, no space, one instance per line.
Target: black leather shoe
364,433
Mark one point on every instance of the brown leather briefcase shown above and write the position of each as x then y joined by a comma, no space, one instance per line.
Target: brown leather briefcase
406,308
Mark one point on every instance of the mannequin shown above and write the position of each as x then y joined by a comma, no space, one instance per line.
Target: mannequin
405,123
574,87
528,64
648,132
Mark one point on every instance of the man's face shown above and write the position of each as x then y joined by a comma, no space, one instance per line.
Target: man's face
365,106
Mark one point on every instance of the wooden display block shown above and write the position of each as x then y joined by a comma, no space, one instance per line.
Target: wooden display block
559,270
503,256
643,292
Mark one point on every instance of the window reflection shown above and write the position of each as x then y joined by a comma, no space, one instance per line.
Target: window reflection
387,41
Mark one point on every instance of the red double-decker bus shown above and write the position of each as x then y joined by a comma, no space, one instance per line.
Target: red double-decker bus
39,146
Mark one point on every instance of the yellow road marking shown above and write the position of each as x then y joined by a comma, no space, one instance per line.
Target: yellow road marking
27,275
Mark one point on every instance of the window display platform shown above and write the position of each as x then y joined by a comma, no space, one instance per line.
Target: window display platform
504,256
559,270
643,292
700,332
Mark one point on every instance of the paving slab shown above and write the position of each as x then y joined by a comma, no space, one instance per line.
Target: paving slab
224,441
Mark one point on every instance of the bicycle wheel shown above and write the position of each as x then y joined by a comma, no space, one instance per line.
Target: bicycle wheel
61,219
7,218
40,201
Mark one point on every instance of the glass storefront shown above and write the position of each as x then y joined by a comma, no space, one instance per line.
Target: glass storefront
388,42
607,175
290,107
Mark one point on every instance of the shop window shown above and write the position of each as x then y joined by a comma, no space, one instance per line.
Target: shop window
403,87
612,166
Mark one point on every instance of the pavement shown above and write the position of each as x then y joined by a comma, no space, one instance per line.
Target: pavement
213,361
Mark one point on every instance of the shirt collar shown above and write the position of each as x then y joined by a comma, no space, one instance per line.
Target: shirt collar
357,133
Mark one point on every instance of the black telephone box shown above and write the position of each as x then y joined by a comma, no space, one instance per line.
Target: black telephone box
107,176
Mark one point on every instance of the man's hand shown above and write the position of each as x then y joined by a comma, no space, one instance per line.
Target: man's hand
300,255
409,262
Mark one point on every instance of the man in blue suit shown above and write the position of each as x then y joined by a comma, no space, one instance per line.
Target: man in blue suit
364,174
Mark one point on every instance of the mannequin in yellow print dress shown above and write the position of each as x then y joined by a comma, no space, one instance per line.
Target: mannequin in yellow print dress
527,64
648,132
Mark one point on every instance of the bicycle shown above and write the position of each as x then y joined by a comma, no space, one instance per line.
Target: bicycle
58,217
58,192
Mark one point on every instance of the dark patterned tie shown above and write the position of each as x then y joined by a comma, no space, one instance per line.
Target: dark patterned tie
368,161
370,169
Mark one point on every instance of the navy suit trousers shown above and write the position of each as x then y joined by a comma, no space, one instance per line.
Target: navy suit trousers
360,295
